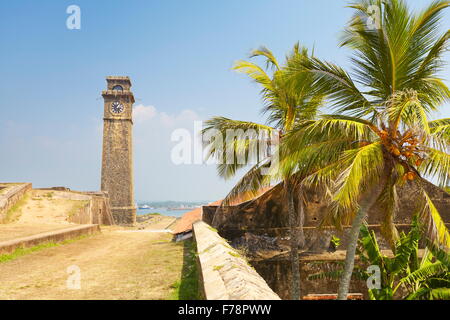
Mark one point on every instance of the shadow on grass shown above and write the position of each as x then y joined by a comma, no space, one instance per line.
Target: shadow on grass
187,287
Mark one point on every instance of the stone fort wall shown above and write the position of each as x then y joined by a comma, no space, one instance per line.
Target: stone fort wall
10,194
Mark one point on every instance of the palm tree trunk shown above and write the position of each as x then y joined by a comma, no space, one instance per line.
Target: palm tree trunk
369,200
295,264
350,255
301,221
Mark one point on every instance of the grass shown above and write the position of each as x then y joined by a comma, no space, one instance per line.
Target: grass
187,287
15,209
234,254
213,229
208,248
19,252
150,214
77,207
217,268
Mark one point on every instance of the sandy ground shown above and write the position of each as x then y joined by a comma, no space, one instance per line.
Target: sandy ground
117,264
41,211
49,207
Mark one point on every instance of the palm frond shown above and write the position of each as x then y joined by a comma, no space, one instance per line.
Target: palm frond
361,167
234,144
437,165
441,129
271,61
250,184
255,72
330,127
435,229
405,107
428,20
335,83
440,255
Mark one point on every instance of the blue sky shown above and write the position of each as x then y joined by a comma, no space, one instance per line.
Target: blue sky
178,55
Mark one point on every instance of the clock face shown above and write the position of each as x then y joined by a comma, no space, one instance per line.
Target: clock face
117,107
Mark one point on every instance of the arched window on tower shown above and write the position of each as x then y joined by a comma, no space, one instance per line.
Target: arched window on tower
118,88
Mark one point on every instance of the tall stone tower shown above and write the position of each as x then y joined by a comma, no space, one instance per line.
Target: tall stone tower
117,159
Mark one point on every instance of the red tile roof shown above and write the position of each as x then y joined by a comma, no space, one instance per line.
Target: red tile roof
188,219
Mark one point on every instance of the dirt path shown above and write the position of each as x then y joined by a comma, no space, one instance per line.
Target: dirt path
117,264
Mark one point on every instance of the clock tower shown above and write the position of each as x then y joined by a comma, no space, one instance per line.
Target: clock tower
117,158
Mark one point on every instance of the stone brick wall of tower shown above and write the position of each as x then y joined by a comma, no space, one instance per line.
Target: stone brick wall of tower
117,168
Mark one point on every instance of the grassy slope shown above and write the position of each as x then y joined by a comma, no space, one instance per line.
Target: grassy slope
187,287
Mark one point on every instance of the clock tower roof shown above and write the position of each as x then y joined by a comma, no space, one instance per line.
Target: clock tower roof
118,86
118,78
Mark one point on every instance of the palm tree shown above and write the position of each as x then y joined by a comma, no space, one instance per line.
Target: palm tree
381,135
285,106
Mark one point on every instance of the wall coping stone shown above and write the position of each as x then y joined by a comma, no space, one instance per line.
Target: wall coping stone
225,274
9,246
12,194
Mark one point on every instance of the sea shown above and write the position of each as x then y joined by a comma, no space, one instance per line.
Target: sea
164,212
